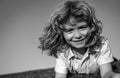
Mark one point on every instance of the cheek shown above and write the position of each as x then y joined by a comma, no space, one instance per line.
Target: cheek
86,32
67,37
87,35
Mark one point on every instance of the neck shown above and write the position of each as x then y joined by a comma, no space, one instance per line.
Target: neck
81,51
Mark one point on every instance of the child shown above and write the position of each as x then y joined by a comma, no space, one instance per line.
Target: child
73,36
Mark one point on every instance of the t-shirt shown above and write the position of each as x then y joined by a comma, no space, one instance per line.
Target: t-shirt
89,62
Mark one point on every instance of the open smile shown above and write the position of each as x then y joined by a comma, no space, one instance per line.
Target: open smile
79,40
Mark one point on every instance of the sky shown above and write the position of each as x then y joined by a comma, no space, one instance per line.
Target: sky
22,22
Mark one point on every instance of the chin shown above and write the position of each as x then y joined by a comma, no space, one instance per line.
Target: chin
78,46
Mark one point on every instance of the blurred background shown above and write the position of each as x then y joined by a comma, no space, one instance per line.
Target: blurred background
22,22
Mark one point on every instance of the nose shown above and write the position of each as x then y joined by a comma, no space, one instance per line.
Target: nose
77,34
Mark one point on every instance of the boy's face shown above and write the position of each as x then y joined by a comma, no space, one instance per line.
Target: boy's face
76,35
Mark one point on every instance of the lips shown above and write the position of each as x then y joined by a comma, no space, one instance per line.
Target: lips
78,40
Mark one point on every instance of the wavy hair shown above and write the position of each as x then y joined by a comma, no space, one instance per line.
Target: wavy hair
53,39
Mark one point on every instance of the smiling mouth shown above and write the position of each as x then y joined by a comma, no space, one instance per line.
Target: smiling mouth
78,40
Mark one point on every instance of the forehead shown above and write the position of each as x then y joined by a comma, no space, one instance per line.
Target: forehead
79,24
73,22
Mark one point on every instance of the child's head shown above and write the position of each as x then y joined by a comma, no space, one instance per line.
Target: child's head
71,21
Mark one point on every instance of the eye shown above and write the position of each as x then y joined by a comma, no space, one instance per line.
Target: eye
83,27
68,30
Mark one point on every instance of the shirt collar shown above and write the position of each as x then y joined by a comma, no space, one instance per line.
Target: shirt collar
70,54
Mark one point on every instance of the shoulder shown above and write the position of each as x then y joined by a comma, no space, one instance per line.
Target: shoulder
105,45
102,45
105,41
105,55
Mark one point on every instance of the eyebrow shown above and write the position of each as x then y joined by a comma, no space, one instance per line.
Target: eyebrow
70,26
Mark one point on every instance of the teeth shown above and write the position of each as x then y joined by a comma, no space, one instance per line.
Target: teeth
79,40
